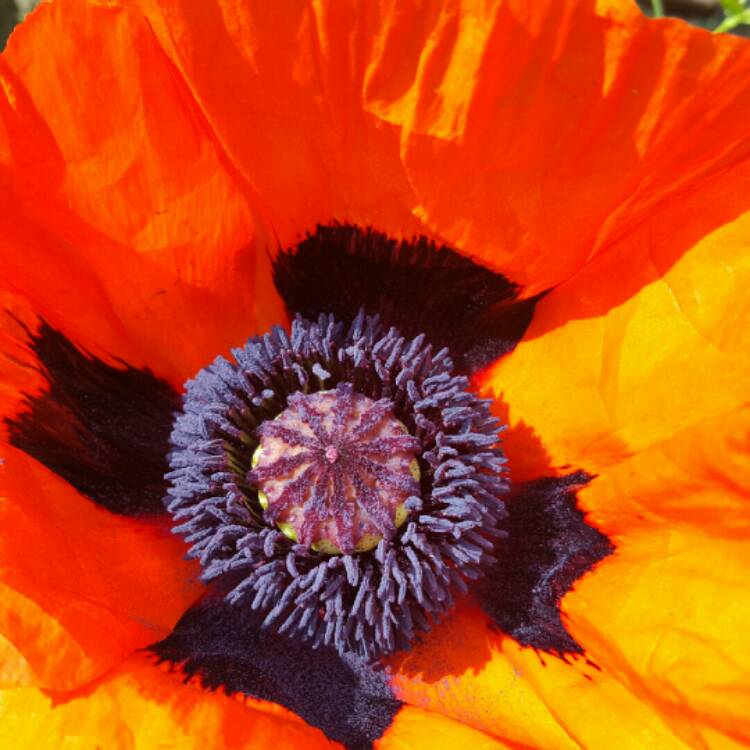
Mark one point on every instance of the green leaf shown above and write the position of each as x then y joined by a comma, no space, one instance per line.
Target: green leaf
732,7
732,22
657,8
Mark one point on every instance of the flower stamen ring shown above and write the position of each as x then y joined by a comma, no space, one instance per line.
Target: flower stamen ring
341,482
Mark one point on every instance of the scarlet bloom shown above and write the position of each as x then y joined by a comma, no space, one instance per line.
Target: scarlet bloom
527,213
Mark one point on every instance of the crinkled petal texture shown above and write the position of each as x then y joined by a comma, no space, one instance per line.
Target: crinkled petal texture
80,588
139,705
155,152
534,137
664,621
528,135
477,676
119,192
651,393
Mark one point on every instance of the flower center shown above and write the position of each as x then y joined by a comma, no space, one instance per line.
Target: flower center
331,454
294,478
334,470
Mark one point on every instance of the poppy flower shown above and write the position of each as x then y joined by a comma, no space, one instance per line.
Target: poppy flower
275,276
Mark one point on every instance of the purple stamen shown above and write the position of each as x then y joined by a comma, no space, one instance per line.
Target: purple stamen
334,470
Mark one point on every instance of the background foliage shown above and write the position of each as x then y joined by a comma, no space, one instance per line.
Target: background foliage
716,15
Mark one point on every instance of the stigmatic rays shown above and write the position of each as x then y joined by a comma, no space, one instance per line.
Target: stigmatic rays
336,471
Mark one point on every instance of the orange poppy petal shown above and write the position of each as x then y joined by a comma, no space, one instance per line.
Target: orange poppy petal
665,619
128,219
533,133
697,478
474,675
651,338
14,669
19,373
282,86
526,134
140,705
459,673
667,616
413,727
80,588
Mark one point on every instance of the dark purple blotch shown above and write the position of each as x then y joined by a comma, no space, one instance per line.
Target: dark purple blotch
413,285
549,547
104,429
225,647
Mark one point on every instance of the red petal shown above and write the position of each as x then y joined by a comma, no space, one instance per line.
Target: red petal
128,220
81,588
528,135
